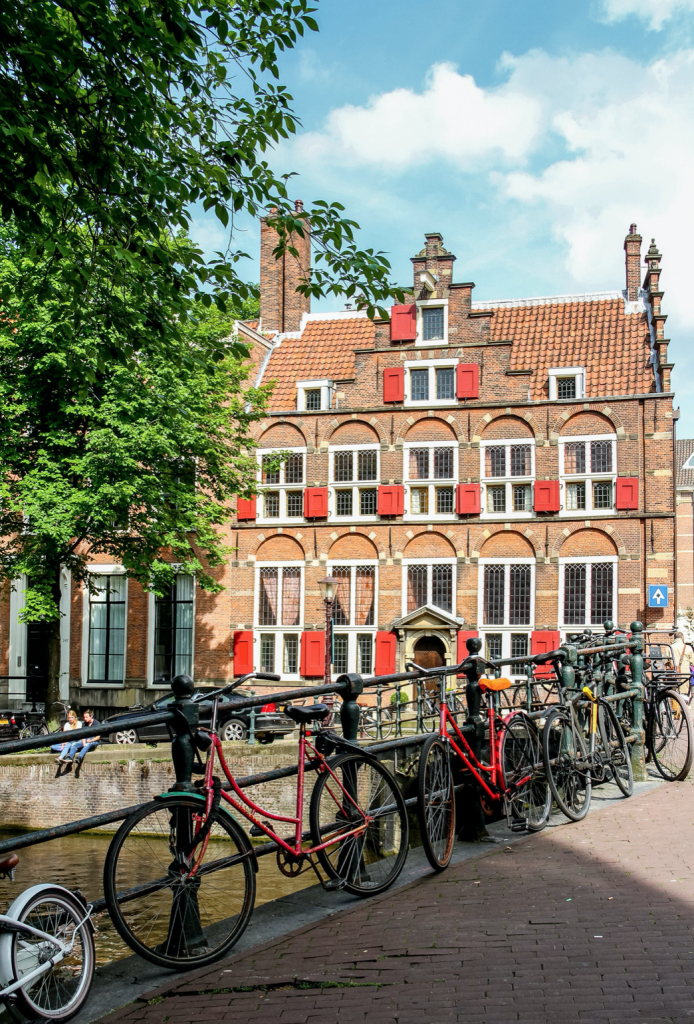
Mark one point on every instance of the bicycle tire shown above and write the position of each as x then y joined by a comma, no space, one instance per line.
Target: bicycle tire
61,992
566,764
614,742
671,741
436,802
524,774
172,921
368,863
369,723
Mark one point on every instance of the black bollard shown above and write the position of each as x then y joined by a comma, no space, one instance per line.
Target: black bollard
349,710
472,828
184,726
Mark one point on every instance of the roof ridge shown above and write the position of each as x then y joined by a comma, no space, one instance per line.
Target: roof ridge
548,300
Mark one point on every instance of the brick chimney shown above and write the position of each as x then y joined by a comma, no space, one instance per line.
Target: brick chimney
439,264
632,248
281,306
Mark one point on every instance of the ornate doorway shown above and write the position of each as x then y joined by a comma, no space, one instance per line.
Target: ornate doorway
430,652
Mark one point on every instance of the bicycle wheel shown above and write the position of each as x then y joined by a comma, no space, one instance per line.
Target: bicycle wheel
358,795
436,802
168,916
369,723
60,992
566,764
430,715
617,748
670,737
524,776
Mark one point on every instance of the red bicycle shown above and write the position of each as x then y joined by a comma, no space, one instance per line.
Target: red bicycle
179,876
509,769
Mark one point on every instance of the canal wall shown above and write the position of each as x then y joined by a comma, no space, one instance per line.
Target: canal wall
34,795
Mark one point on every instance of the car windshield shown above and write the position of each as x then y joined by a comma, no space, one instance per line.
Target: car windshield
163,701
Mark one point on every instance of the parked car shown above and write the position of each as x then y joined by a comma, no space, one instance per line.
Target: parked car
231,725
10,724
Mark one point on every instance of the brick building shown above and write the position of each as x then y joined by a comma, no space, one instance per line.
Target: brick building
492,468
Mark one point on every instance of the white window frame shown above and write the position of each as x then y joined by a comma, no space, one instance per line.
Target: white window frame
281,487
431,365
422,304
102,570
588,478
151,621
278,630
507,481
575,627
578,372
506,627
353,631
356,485
431,484
515,672
326,393
452,561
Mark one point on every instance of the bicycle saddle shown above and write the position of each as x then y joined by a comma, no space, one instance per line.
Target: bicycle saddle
495,684
312,713
7,864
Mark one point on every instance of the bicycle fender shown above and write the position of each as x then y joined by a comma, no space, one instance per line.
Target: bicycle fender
241,835
14,912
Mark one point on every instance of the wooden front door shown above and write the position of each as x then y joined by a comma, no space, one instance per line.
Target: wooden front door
429,652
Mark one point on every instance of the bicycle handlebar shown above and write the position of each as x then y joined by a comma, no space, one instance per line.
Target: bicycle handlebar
223,690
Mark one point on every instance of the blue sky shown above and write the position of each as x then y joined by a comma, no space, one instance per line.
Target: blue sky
530,133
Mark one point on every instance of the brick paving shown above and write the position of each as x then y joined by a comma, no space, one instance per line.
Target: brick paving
584,922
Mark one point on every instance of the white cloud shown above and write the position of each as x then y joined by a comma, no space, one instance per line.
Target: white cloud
655,12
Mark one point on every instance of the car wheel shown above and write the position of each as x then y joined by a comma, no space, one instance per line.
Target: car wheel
126,736
234,731
266,737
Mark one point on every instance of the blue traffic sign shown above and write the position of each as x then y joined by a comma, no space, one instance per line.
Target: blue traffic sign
657,595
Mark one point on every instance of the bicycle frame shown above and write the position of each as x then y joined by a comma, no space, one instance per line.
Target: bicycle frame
9,924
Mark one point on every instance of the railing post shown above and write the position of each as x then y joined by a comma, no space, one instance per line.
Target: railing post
251,728
398,722
638,760
379,712
420,720
349,711
184,726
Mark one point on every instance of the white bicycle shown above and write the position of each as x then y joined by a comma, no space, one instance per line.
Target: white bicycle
46,951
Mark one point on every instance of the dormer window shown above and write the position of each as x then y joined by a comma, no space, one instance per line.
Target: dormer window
567,383
432,323
314,395
313,398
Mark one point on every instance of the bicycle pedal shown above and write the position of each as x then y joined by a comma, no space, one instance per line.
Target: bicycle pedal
334,884
518,826
256,831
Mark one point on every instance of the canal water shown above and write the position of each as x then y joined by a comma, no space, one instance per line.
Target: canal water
77,862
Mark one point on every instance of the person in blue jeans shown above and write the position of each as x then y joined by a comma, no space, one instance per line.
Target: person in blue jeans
78,750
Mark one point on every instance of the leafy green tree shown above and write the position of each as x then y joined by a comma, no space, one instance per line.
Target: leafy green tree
136,459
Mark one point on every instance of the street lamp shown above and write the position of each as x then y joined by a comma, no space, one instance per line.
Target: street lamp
328,587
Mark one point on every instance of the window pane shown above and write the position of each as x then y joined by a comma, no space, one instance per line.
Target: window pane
98,614
268,597
102,593
340,648
519,645
602,495
97,666
419,380
293,470
419,463
364,654
520,460
496,499
291,653
521,498
106,661
444,500
575,457
272,504
343,466
575,594
601,456
163,636
575,496
416,586
291,594
445,382
566,387
601,583
519,603
343,503
184,588
313,398
365,595
341,607
494,585
420,500
443,463
432,323
295,503
271,474
367,465
442,587
173,630
495,460
267,652
368,501
493,646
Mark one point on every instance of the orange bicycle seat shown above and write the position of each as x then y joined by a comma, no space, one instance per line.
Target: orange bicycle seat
495,684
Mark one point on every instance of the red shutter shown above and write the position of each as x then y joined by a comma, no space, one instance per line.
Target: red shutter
243,652
542,641
403,322
546,495
627,496
462,653
467,500
245,508
313,654
467,380
391,500
316,503
394,384
385,654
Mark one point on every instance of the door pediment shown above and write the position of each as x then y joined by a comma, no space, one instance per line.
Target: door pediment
428,617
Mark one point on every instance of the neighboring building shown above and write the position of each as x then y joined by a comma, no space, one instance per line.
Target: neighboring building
492,468
684,483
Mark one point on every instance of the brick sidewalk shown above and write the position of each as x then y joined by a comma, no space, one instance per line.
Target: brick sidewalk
584,922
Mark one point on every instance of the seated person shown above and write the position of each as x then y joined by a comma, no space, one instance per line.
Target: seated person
71,724
80,748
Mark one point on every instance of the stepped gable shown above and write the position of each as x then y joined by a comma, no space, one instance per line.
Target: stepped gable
324,350
612,345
